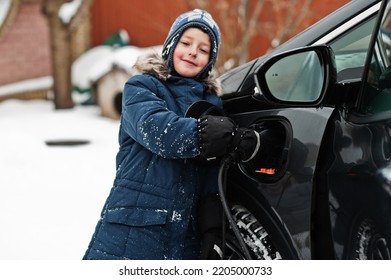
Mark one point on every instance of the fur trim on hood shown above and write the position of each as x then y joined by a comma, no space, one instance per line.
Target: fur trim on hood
155,65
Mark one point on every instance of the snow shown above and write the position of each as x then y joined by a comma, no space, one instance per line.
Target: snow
127,56
91,65
68,10
98,61
30,84
4,7
51,196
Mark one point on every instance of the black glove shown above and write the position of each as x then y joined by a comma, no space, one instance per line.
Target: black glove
220,136
203,108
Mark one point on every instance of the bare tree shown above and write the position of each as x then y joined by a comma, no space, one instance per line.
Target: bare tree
285,20
61,48
241,20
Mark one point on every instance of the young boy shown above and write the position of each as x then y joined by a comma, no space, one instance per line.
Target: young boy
151,210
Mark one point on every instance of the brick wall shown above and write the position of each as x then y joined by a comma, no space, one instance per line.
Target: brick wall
25,45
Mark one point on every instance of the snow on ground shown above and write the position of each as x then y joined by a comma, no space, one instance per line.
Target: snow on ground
51,196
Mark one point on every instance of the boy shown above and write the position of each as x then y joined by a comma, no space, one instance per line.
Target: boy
151,210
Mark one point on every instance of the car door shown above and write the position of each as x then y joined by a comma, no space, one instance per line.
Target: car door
286,185
361,148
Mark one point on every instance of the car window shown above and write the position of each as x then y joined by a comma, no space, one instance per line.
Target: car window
351,49
377,88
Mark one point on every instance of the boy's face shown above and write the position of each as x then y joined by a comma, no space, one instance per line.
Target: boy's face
192,52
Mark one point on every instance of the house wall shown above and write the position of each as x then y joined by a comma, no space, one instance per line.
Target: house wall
25,45
25,41
148,22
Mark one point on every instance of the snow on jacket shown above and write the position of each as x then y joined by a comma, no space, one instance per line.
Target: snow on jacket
150,207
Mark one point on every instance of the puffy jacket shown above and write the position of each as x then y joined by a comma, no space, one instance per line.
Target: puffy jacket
150,207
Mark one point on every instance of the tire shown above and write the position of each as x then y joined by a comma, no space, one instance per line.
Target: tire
368,242
254,234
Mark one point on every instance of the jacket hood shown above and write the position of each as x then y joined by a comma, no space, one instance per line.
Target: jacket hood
155,65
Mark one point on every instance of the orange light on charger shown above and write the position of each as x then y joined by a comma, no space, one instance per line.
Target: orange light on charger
268,171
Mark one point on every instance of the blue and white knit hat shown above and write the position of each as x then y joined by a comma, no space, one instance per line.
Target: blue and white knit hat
195,18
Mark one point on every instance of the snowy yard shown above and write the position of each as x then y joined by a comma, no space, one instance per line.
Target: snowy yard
51,196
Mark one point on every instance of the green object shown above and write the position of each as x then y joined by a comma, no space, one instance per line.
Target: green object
117,39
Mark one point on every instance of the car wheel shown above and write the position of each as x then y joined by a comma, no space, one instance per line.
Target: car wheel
254,234
368,242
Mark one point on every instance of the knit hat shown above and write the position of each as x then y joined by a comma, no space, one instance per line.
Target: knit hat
195,18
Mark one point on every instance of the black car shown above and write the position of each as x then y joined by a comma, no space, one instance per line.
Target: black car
321,188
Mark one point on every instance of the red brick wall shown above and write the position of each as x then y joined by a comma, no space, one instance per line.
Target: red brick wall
25,46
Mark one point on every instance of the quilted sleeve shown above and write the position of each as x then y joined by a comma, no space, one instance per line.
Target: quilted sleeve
147,119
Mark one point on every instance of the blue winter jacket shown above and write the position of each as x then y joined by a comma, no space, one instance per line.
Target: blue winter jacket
149,212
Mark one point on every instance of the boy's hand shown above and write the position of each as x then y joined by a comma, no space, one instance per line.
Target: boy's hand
220,136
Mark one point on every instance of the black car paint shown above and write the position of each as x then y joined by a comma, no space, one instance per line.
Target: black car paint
330,175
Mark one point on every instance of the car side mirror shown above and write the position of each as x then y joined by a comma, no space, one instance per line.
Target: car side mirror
299,77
